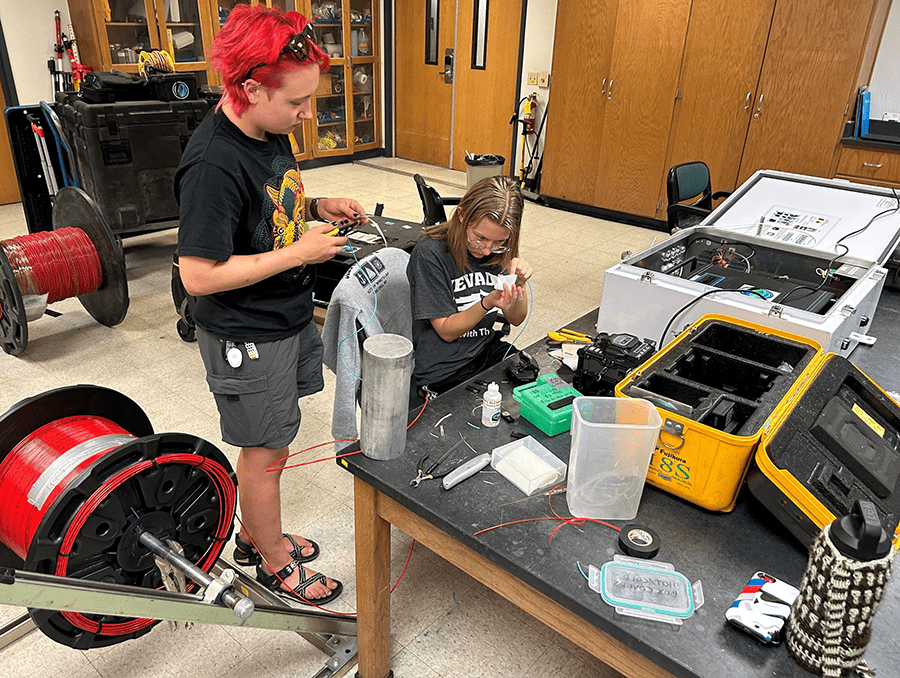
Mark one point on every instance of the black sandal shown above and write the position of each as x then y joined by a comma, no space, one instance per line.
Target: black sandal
298,593
246,553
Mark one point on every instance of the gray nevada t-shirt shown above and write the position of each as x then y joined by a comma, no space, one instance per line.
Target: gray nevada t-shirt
438,289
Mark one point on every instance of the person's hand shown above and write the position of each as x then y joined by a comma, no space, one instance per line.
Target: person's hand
522,271
340,210
314,246
506,298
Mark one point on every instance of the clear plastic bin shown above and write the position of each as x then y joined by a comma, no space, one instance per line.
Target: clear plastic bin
528,465
612,442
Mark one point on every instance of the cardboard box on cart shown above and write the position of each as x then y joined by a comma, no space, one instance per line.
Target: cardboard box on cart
738,398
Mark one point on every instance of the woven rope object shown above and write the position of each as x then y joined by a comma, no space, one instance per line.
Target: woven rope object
830,623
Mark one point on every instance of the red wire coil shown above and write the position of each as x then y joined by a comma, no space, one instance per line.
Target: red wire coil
29,471
61,264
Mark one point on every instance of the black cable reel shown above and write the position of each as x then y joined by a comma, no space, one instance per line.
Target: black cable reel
112,488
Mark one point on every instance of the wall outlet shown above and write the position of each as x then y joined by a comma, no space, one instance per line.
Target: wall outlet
891,116
532,78
543,79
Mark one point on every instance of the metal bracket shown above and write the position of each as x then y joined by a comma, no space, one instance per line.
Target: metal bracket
866,339
847,310
674,428
647,276
775,310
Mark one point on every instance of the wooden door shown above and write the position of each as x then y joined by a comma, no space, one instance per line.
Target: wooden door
722,61
435,118
485,97
582,51
643,80
808,76
423,103
9,184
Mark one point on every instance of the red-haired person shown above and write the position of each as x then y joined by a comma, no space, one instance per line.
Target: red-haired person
246,252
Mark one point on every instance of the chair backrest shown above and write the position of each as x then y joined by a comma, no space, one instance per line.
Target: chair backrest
688,184
432,205
688,181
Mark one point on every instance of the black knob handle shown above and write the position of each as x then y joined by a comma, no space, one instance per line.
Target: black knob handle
861,535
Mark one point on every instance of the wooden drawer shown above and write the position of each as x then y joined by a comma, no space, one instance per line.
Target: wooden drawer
870,163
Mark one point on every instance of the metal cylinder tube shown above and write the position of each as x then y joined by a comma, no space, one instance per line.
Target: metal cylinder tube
387,364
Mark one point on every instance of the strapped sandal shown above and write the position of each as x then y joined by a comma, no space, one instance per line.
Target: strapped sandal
298,593
246,553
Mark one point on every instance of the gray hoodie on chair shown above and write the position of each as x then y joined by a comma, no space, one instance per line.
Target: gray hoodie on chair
350,308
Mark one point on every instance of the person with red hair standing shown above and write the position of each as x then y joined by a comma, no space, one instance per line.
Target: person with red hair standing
246,251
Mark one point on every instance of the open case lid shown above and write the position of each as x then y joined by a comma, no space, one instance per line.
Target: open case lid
835,440
814,213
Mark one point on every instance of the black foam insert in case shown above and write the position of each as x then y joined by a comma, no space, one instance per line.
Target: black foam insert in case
841,442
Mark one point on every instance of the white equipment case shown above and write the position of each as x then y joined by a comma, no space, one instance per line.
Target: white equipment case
764,250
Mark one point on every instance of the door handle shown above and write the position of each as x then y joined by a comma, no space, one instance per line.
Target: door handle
609,91
875,165
747,101
448,66
603,87
758,107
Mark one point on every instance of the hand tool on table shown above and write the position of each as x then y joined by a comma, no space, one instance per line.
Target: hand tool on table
569,336
426,472
465,470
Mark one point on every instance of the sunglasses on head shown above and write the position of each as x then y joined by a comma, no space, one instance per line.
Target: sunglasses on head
298,45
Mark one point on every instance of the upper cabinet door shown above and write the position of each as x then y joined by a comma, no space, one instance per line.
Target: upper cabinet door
722,62
811,65
640,97
582,52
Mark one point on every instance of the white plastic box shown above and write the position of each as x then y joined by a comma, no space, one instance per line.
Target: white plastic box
528,465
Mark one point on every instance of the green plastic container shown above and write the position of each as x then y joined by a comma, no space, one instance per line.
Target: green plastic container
535,399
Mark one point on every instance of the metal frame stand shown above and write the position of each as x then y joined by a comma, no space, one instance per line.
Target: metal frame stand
334,635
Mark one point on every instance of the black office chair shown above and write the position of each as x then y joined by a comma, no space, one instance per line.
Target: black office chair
690,195
432,203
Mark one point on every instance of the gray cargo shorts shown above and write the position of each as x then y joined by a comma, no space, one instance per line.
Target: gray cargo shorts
257,401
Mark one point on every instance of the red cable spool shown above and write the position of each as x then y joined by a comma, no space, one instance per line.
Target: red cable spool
82,476
80,258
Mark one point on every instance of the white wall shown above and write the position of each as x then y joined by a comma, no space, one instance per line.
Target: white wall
540,26
30,33
885,82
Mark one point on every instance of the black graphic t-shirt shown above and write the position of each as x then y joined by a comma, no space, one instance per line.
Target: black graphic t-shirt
438,289
239,195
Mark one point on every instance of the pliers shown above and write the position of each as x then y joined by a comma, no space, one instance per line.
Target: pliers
569,336
429,472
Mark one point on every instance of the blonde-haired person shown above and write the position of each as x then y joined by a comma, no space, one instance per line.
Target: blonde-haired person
452,272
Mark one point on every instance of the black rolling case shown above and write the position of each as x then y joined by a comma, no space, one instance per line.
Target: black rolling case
127,154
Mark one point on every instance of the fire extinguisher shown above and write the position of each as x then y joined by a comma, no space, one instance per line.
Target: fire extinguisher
529,113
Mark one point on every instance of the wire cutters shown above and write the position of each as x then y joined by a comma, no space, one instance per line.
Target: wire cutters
569,336
429,472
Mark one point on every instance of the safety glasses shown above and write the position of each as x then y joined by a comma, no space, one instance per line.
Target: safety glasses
299,46
480,244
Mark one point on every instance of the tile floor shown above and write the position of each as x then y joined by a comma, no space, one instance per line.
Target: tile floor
443,622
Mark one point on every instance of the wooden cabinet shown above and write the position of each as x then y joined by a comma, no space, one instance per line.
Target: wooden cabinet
615,84
346,107
761,84
639,98
111,33
580,76
719,73
347,104
809,73
870,165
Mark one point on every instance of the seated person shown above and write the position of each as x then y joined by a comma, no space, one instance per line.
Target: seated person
452,271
